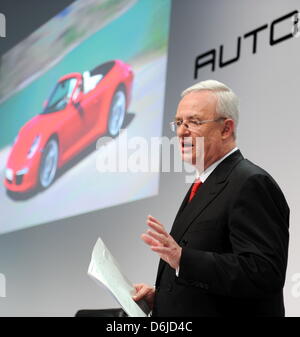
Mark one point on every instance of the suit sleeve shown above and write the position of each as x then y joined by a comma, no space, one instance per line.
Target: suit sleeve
258,232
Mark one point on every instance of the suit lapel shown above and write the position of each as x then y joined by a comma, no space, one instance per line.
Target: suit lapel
206,194
180,211
183,204
209,190
213,186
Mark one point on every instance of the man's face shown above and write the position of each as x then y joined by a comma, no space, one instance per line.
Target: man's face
199,106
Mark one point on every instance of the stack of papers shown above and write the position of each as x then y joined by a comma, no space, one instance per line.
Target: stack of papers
105,270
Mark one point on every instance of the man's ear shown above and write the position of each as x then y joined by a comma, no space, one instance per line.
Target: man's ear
228,128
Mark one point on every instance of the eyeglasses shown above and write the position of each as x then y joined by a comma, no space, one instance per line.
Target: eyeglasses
192,124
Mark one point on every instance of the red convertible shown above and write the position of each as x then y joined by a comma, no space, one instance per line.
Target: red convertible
80,108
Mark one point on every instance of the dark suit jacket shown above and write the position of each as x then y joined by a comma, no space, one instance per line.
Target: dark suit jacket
234,238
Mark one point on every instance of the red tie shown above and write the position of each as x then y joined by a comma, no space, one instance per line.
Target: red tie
197,183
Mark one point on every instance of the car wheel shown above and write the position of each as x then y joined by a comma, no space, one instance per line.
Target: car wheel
117,113
49,162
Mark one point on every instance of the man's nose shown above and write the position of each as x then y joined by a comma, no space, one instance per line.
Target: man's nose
183,130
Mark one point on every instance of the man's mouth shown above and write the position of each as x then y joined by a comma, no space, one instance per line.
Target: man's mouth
186,146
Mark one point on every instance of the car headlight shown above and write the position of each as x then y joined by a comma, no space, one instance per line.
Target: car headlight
34,147
9,174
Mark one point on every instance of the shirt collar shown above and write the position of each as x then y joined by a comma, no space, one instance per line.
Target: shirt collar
204,175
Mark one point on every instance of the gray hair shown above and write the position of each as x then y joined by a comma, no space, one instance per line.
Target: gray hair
227,101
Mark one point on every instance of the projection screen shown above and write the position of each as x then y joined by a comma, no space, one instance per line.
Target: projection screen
94,72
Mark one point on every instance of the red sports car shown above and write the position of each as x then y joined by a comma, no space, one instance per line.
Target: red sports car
80,108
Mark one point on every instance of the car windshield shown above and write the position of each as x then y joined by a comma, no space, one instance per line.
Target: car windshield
60,96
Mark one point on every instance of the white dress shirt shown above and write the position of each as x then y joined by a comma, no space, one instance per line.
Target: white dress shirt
205,174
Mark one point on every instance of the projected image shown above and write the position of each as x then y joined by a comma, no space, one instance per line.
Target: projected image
73,116
97,69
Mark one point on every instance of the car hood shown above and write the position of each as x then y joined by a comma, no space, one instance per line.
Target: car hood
41,125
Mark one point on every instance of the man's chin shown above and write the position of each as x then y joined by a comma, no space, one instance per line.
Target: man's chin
188,158
193,160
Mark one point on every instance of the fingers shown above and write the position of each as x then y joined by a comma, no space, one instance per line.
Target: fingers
154,220
156,225
158,236
150,217
142,291
161,250
162,239
139,295
149,241
162,242
138,286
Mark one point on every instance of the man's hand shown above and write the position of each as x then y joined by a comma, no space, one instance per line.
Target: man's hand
162,243
143,291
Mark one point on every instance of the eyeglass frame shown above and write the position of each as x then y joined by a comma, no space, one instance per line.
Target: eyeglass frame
174,126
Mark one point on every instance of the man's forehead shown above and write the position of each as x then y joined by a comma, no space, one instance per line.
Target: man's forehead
199,103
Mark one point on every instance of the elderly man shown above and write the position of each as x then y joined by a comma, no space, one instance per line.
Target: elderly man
226,254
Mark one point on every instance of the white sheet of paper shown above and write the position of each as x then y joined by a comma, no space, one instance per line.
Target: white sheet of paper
104,268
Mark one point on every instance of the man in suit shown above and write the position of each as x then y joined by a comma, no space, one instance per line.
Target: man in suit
226,254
